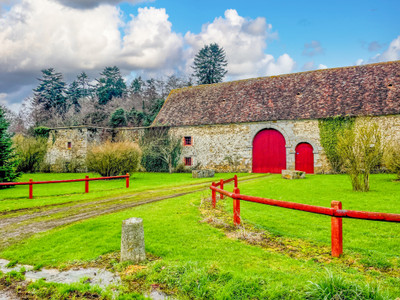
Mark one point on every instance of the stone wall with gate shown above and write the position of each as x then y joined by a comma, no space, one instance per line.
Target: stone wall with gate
223,148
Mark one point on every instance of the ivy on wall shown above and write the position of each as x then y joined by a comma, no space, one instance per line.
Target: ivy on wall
330,129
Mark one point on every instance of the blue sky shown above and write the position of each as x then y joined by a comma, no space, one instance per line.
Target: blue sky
159,38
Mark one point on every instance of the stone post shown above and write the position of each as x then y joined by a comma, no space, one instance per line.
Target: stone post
132,240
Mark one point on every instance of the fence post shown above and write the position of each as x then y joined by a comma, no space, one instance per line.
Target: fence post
213,195
221,186
30,189
236,181
86,184
127,180
336,231
236,207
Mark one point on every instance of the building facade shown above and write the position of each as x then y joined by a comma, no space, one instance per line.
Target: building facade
266,124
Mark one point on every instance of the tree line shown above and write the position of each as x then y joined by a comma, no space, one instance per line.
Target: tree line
109,101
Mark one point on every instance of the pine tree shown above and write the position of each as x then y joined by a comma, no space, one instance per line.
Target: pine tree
110,85
137,86
51,91
118,118
209,64
8,161
77,89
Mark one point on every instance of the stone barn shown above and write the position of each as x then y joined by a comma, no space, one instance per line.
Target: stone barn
268,124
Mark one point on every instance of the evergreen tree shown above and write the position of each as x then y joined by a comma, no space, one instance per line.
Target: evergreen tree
110,85
74,94
8,162
51,91
118,118
209,64
79,88
137,86
85,88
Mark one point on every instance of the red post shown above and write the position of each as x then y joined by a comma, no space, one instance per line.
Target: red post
213,196
30,189
236,207
127,180
337,231
236,181
221,186
86,184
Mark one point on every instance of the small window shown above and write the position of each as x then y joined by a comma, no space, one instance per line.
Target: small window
187,140
188,161
69,146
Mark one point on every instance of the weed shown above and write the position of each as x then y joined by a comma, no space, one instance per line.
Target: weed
336,287
12,264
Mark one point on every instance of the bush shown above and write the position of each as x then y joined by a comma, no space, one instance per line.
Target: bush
391,158
360,151
41,131
118,118
152,162
161,151
110,159
31,152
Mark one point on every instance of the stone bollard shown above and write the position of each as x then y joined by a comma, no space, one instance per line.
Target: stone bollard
132,240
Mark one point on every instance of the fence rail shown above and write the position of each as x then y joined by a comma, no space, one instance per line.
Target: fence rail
336,211
86,180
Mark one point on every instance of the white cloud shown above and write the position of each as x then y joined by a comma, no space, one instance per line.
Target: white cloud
359,61
391,53
38,34
149,42
245,42
310,65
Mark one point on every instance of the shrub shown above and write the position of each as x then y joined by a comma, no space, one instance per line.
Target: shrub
118,118
31,152
330,129
161,151
110,159
391,158
360,151
41,131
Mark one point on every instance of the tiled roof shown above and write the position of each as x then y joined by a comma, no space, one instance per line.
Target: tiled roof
351,91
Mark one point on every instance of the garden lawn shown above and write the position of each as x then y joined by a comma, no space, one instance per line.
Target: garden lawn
173,232
48,194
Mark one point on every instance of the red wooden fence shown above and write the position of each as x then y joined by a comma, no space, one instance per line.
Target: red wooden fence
86,180
335,211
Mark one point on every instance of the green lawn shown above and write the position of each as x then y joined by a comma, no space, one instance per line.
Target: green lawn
47,194
200,261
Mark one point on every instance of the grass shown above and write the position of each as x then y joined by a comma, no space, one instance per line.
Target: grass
49,194
199,261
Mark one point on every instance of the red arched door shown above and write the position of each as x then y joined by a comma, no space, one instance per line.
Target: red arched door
269,152
305,158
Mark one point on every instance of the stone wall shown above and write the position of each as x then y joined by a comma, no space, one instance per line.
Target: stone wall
228,147
224,148
65,144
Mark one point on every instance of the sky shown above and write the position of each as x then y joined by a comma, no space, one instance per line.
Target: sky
161,37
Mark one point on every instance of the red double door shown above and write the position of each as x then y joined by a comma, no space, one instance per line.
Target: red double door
269,153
